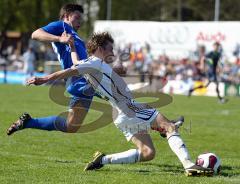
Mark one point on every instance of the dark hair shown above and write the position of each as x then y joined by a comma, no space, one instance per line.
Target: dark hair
217,44
69,8
98,40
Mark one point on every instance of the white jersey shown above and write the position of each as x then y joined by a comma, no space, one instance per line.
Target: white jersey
110,85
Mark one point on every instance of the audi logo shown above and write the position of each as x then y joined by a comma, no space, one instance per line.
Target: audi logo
169,35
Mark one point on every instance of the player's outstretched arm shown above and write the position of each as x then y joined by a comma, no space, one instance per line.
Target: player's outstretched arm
44,36
63,74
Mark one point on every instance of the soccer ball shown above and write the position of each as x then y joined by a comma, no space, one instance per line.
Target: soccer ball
209,160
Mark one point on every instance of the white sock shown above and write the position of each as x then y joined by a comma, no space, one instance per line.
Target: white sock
126,157
178,147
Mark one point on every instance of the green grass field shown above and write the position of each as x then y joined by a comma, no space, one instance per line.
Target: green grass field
35,156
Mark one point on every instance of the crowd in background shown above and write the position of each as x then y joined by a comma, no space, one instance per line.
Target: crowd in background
28,60
142,62
138,60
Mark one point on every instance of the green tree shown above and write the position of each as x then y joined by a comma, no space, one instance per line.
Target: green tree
167,10
26,15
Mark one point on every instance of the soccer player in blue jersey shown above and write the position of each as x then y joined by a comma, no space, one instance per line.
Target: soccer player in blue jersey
210,62
70,20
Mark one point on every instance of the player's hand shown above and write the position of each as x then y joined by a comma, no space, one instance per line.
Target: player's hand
120,69
65,38
36,81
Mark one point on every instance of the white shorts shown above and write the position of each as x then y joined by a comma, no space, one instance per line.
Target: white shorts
130,126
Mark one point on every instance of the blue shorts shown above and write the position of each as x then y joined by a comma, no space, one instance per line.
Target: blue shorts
81,102
82,93
212,76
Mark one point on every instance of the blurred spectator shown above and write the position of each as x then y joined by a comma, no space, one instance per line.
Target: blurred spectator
29,59
50,54
191,68
148,60
236,52
16,60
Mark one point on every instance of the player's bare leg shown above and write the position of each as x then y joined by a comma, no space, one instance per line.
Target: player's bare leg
179,148
145,146
198,87
221,99
177,122
76,117
145,151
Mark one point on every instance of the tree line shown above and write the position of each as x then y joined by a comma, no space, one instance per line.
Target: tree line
27,15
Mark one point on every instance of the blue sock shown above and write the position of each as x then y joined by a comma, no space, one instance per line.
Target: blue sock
48,123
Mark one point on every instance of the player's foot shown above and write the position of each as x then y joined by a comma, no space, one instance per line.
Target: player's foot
178,122
19,124
96,162
223,100
190,93
197,170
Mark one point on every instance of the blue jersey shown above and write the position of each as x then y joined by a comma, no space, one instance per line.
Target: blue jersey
78,85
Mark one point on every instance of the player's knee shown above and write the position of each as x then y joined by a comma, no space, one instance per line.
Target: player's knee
73,123
72,129
148,154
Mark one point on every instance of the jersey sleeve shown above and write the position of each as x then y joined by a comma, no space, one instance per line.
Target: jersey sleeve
87,67
55,28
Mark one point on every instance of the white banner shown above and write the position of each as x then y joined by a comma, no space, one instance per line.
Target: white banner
182,87
176,39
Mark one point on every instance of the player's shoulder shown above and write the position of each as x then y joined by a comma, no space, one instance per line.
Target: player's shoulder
97,63
94,59
58,23
56,27
91,60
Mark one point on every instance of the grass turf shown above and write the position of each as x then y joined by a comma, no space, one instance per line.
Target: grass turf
35,156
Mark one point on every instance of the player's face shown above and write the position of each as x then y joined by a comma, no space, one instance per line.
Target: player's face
108,54
75,19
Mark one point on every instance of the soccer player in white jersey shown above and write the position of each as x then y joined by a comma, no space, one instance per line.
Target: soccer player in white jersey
133,119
